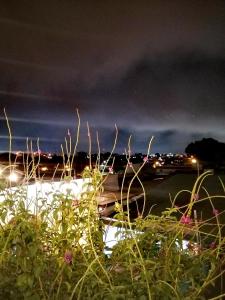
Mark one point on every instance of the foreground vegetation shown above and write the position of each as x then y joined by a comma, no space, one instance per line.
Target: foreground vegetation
59,252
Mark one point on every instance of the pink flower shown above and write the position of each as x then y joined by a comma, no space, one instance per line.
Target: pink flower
68,257
111,170
185,220
215,212
68,132
196,197
212,245
75,203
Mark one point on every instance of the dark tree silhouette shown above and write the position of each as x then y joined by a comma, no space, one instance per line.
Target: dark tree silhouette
208,150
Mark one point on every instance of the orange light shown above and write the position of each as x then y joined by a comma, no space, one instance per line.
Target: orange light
44,169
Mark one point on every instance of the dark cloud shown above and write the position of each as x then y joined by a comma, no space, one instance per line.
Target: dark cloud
166,93
152,67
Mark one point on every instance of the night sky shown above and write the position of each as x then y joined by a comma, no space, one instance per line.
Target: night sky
152,67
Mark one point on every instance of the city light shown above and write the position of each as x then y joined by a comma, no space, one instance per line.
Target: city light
44,169
194,161
13,177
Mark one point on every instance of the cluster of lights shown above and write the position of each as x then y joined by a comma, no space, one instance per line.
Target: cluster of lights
66,168
37,153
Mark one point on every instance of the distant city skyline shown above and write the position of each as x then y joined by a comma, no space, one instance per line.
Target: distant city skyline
154,68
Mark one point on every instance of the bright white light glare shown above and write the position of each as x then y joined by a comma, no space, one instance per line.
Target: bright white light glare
13,177
1,171
194,160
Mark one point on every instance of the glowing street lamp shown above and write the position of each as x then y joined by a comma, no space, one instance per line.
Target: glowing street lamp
194,161
13,177
44,169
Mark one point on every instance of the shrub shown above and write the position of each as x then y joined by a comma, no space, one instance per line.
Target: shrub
58,253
